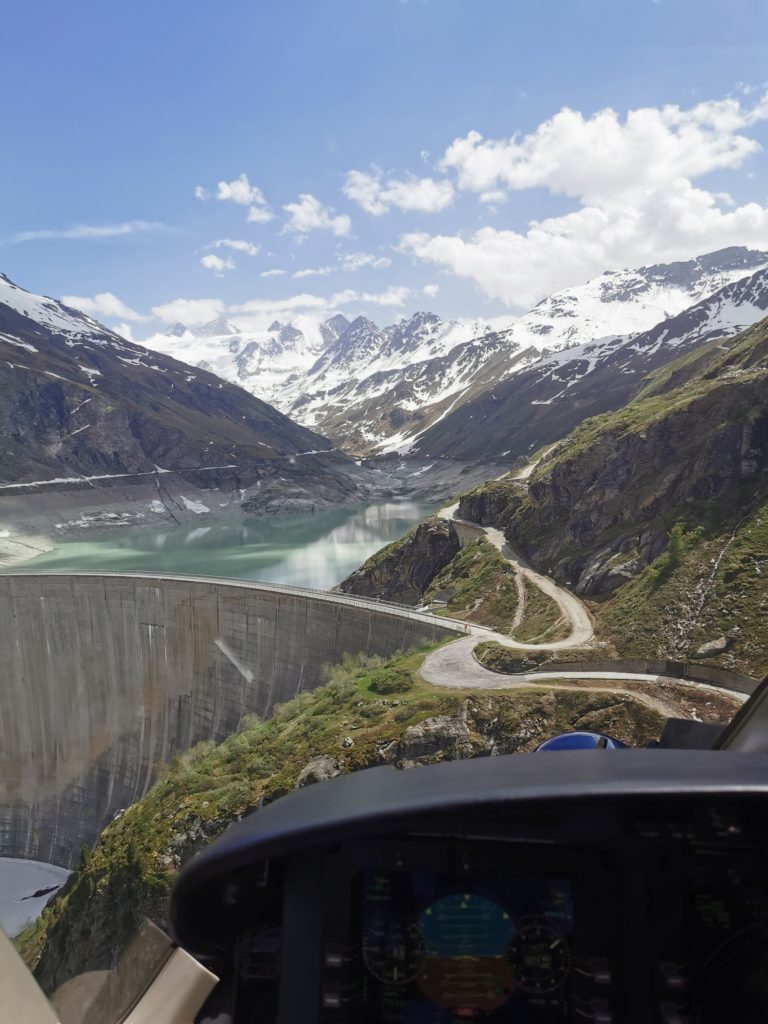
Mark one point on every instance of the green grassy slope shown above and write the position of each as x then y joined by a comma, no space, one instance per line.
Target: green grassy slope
479,586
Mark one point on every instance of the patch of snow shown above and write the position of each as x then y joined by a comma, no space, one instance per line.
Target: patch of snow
196,534
18,342
194,506
90,372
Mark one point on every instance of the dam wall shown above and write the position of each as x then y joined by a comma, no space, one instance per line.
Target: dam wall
104,675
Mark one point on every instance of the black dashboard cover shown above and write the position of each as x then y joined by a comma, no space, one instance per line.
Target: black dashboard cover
390,801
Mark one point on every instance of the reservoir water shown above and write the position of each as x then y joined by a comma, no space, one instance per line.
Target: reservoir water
308,551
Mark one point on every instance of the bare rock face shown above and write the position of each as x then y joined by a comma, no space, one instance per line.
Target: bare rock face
443,736
319,769
402,571
714,647
493,504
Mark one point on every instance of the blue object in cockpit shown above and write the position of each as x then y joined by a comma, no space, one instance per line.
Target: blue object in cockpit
582,741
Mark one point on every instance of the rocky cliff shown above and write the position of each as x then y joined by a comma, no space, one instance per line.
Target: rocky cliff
402,571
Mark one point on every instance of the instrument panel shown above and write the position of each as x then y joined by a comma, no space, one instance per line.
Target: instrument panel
406,898
434,932
669,929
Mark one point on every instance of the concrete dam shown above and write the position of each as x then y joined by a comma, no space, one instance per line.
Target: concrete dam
105,675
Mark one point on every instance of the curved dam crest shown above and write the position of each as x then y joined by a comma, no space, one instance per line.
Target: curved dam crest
104,675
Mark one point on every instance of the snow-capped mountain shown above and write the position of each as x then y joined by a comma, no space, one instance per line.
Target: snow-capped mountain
377,389
542,403
341,373
623,302
80,403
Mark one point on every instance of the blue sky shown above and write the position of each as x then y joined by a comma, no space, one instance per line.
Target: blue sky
114,114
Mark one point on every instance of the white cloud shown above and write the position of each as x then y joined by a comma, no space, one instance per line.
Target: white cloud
189,312
632,179
396,296
314,272
306,300
259,215
217,264
240,191
602,157
431,290
125,331
93,232
259,313
360,260
309,214
238,244
273,273
103,304
422,195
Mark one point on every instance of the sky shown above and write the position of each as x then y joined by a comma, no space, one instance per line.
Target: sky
261,159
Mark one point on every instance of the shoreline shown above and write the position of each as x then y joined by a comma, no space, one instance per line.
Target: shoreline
37,517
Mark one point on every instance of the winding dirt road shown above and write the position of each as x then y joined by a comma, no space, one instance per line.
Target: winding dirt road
571,608
454,665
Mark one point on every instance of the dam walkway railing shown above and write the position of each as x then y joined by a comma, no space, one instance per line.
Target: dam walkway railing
348,600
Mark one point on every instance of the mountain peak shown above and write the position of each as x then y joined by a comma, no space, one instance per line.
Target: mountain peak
338,323
177,330
216,328
361,322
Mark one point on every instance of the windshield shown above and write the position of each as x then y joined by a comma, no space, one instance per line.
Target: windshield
381,384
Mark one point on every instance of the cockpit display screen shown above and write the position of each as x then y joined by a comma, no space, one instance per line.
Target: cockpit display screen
436,948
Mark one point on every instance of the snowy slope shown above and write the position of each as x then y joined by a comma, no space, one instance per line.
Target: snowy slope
375,389
545,400
627,302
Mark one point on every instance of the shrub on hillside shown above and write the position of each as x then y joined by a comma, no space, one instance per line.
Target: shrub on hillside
391,679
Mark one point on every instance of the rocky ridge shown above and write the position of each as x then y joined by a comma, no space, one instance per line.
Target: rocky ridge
403,571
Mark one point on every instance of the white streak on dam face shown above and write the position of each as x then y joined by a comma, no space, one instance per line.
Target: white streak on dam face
246,673
104,676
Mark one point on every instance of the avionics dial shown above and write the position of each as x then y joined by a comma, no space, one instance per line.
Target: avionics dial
393,948
539,957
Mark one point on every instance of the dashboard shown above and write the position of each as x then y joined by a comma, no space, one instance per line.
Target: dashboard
621,902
